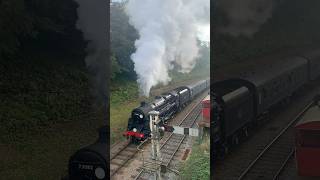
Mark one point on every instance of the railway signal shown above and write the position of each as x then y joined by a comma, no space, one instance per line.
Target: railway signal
155,134
155,138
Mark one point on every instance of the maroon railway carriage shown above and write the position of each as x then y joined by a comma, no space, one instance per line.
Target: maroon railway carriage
205,120
307,142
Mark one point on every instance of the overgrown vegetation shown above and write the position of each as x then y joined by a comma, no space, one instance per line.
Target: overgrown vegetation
46,109
197,166
123,99
37,94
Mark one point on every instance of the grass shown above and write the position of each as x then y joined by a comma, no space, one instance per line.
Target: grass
44,154
124,98
197,166
42,122
119,115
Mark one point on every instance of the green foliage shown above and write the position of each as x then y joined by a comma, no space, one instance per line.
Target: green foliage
14,22
115,68
43,80
30,24
124,97
35,95
44,89
124,92
123,36
197,167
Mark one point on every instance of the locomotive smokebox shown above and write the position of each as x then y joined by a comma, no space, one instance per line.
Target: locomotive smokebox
91,162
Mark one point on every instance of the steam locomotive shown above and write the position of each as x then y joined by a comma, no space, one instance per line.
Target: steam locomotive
167,104
241,99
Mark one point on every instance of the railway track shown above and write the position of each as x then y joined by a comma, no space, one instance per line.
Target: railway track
172,143
120,158
272,159
240,157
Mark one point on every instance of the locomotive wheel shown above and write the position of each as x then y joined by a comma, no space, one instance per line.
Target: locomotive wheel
134,140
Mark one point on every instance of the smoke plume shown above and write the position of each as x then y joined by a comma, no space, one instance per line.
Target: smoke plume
168,32
92,22
244,17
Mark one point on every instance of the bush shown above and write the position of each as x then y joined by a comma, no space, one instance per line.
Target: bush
197,166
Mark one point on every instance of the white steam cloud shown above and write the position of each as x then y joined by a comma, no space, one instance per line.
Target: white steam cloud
244,16
168,31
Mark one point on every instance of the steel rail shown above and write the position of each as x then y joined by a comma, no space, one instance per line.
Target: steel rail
112,173
251,165
119,166
175,151
138,175
276,176
119,151
182,139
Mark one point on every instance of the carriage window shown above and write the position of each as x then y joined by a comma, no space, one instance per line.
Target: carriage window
309,138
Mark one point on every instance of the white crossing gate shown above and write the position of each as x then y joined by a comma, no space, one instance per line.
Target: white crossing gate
186,131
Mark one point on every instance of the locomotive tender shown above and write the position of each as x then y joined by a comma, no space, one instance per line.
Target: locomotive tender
240,100
167,104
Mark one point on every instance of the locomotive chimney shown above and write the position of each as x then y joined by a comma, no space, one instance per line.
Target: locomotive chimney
143,103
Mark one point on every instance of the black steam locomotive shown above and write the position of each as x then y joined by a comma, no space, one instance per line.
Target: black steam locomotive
240,100
166,104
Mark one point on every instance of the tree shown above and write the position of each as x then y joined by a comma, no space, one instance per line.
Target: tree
15,22
33,23
123,36
115,68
